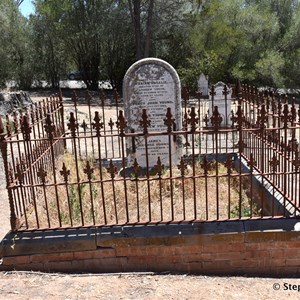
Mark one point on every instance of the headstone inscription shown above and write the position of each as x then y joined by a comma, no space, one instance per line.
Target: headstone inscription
222,100
203,85
154,85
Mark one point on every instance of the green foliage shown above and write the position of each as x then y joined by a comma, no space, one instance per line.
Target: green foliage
256,41
268,68
247,40
15,53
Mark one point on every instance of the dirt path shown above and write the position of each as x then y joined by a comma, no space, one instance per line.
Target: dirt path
26,285
67,287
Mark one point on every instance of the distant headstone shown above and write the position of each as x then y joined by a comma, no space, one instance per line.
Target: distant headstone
154,85
10,101
203,85
222,101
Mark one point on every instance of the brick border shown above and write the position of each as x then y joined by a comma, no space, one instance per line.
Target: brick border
252,247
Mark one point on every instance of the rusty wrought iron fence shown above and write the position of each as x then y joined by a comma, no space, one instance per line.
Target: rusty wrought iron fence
67,162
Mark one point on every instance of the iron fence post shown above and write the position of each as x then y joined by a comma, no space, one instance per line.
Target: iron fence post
61,104
3,146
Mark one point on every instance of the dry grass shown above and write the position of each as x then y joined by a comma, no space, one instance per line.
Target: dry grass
146,199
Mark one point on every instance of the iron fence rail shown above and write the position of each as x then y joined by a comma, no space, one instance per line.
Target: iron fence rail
67,164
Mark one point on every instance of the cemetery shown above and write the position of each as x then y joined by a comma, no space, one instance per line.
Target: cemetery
158,180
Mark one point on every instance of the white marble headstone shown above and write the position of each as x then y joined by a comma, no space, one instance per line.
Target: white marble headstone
154,85
203,85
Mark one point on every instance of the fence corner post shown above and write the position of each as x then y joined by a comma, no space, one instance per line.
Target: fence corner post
3,149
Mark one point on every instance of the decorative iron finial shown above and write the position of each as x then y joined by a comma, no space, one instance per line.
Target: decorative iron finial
97,124
88,170
111,124
145,122
182,166
225,91
49,127
169,121
84,125
72,125
158,168
206,165
212,91
26,128
19,173
262,117
193,120
286,116
274,163
136,168
216,118
241,145
42,174
121,123
296,161
112,169
65,173
206,120
199,94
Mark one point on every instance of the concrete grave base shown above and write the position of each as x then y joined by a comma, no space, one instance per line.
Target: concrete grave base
249,247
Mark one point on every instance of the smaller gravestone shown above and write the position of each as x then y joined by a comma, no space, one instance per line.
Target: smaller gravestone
154,85
222,101
10,101
203,86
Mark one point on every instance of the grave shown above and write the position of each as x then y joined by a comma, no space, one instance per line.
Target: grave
154,85
218,98
203,86
9,101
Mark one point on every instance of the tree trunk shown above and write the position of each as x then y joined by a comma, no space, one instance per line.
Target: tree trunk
149,29
135,13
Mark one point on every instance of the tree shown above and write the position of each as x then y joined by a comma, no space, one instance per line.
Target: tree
142,26
117,50
15,46
51,58
78,27
256,41
240,39
154,22
290,47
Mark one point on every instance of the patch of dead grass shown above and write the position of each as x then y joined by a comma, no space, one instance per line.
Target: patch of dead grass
104,201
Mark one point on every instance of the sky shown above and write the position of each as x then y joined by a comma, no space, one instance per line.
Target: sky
27,8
